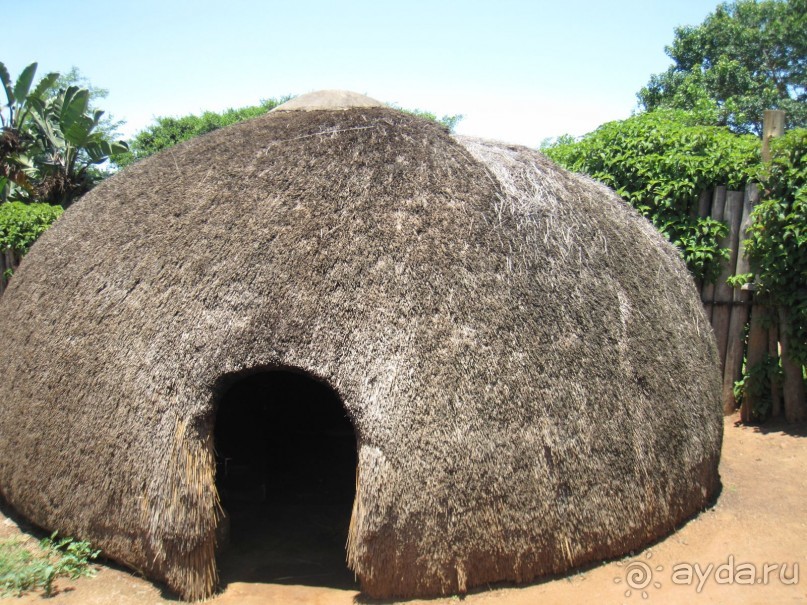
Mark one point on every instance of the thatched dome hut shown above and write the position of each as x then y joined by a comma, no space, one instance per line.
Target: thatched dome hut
524,360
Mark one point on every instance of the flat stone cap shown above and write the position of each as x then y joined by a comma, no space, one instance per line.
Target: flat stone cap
328,99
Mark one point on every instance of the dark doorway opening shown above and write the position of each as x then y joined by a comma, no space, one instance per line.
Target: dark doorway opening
286,475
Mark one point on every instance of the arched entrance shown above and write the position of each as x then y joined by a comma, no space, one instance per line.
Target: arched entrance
286,472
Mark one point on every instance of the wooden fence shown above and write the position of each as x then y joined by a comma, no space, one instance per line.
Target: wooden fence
729,308
744,330
733,312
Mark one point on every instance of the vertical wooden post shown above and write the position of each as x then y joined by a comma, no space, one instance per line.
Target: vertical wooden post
750,199
733,368
724,293
758,333
708,292
793,386
704,203
741,298
773,125
757,347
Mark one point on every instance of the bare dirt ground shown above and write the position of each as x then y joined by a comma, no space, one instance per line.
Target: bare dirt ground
760,519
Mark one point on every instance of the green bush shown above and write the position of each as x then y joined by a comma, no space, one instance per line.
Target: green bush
21,224
23,569
660,162
757,382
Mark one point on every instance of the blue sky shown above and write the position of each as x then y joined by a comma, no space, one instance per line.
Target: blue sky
518,70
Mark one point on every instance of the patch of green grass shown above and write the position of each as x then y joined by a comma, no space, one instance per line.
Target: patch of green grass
25,567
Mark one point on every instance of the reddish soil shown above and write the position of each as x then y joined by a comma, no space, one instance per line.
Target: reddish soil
760,518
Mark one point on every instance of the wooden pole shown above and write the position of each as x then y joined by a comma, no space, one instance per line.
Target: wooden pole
757,348
750,199
705,203
773,125
758,333
735,348
741,298
724,293
718,205
793,385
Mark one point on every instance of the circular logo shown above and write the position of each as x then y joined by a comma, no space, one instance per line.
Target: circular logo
638,576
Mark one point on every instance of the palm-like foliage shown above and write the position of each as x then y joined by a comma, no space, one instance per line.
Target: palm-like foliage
49,141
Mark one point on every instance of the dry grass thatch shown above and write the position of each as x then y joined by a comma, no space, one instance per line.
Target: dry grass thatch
525,360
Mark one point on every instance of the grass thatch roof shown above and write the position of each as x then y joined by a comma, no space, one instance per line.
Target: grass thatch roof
525,360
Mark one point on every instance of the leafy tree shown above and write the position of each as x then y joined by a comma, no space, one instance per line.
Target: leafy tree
745,57
108,125
16,139
50,140
659,162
